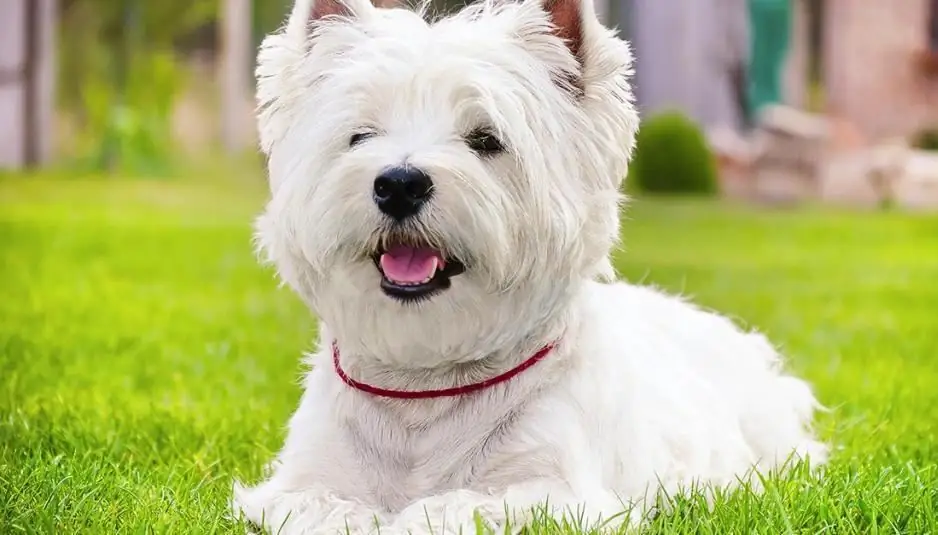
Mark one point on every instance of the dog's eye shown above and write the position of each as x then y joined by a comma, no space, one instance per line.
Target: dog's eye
484,142
358,137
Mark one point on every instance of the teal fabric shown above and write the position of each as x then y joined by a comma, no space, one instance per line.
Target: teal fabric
770,31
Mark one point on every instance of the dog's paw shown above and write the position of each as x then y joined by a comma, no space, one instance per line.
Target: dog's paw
453,513
313,511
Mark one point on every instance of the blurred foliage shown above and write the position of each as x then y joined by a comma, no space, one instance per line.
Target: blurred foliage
122,67
672,156
926,139
123,64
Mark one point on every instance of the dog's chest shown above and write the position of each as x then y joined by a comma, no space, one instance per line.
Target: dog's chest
406,459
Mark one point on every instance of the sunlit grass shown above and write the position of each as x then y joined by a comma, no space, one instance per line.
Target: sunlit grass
146,359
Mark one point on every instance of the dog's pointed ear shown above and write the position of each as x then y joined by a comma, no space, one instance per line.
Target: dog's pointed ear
325,8
306,12
575,23
346,8
567,18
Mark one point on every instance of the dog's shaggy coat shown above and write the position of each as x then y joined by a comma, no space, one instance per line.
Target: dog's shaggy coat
642,391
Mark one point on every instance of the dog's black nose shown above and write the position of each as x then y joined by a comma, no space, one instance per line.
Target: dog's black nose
401,191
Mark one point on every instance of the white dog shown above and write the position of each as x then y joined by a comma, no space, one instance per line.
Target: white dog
445,196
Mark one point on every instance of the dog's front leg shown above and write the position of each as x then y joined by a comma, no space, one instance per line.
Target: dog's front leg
457,512
314,510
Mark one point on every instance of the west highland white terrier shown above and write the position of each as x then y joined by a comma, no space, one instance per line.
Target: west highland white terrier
445,197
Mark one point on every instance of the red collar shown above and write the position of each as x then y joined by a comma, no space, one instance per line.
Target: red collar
441,393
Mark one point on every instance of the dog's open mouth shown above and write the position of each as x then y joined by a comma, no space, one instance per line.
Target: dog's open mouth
414,272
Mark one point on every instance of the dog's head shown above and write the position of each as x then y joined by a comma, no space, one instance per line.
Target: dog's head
439,189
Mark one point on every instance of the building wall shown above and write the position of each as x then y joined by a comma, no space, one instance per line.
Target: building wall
12,51
13,84
871,74
685,52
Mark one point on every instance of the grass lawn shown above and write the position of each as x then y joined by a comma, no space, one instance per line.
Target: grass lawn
146,359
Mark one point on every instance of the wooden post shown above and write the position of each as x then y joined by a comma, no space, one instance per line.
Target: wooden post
797,68
31,58
235,76
44,81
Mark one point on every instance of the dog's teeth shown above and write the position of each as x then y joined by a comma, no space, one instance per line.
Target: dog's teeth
436,265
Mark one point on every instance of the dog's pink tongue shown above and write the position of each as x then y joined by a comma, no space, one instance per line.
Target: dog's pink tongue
410,264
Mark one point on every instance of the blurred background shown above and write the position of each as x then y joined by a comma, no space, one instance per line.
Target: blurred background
793,99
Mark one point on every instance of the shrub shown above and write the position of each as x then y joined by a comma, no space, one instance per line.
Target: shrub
926,139
672,156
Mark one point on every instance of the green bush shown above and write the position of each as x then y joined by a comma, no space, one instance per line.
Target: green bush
926,139
672,156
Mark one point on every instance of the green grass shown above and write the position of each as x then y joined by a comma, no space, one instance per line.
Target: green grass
146,359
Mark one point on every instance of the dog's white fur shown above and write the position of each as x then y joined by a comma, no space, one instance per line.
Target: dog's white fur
643,391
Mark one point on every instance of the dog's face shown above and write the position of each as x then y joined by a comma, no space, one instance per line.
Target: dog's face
440,188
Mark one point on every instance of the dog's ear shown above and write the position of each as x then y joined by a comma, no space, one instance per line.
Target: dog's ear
346,8
594,54
307,12
566,16
282,52
325,8
574,22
